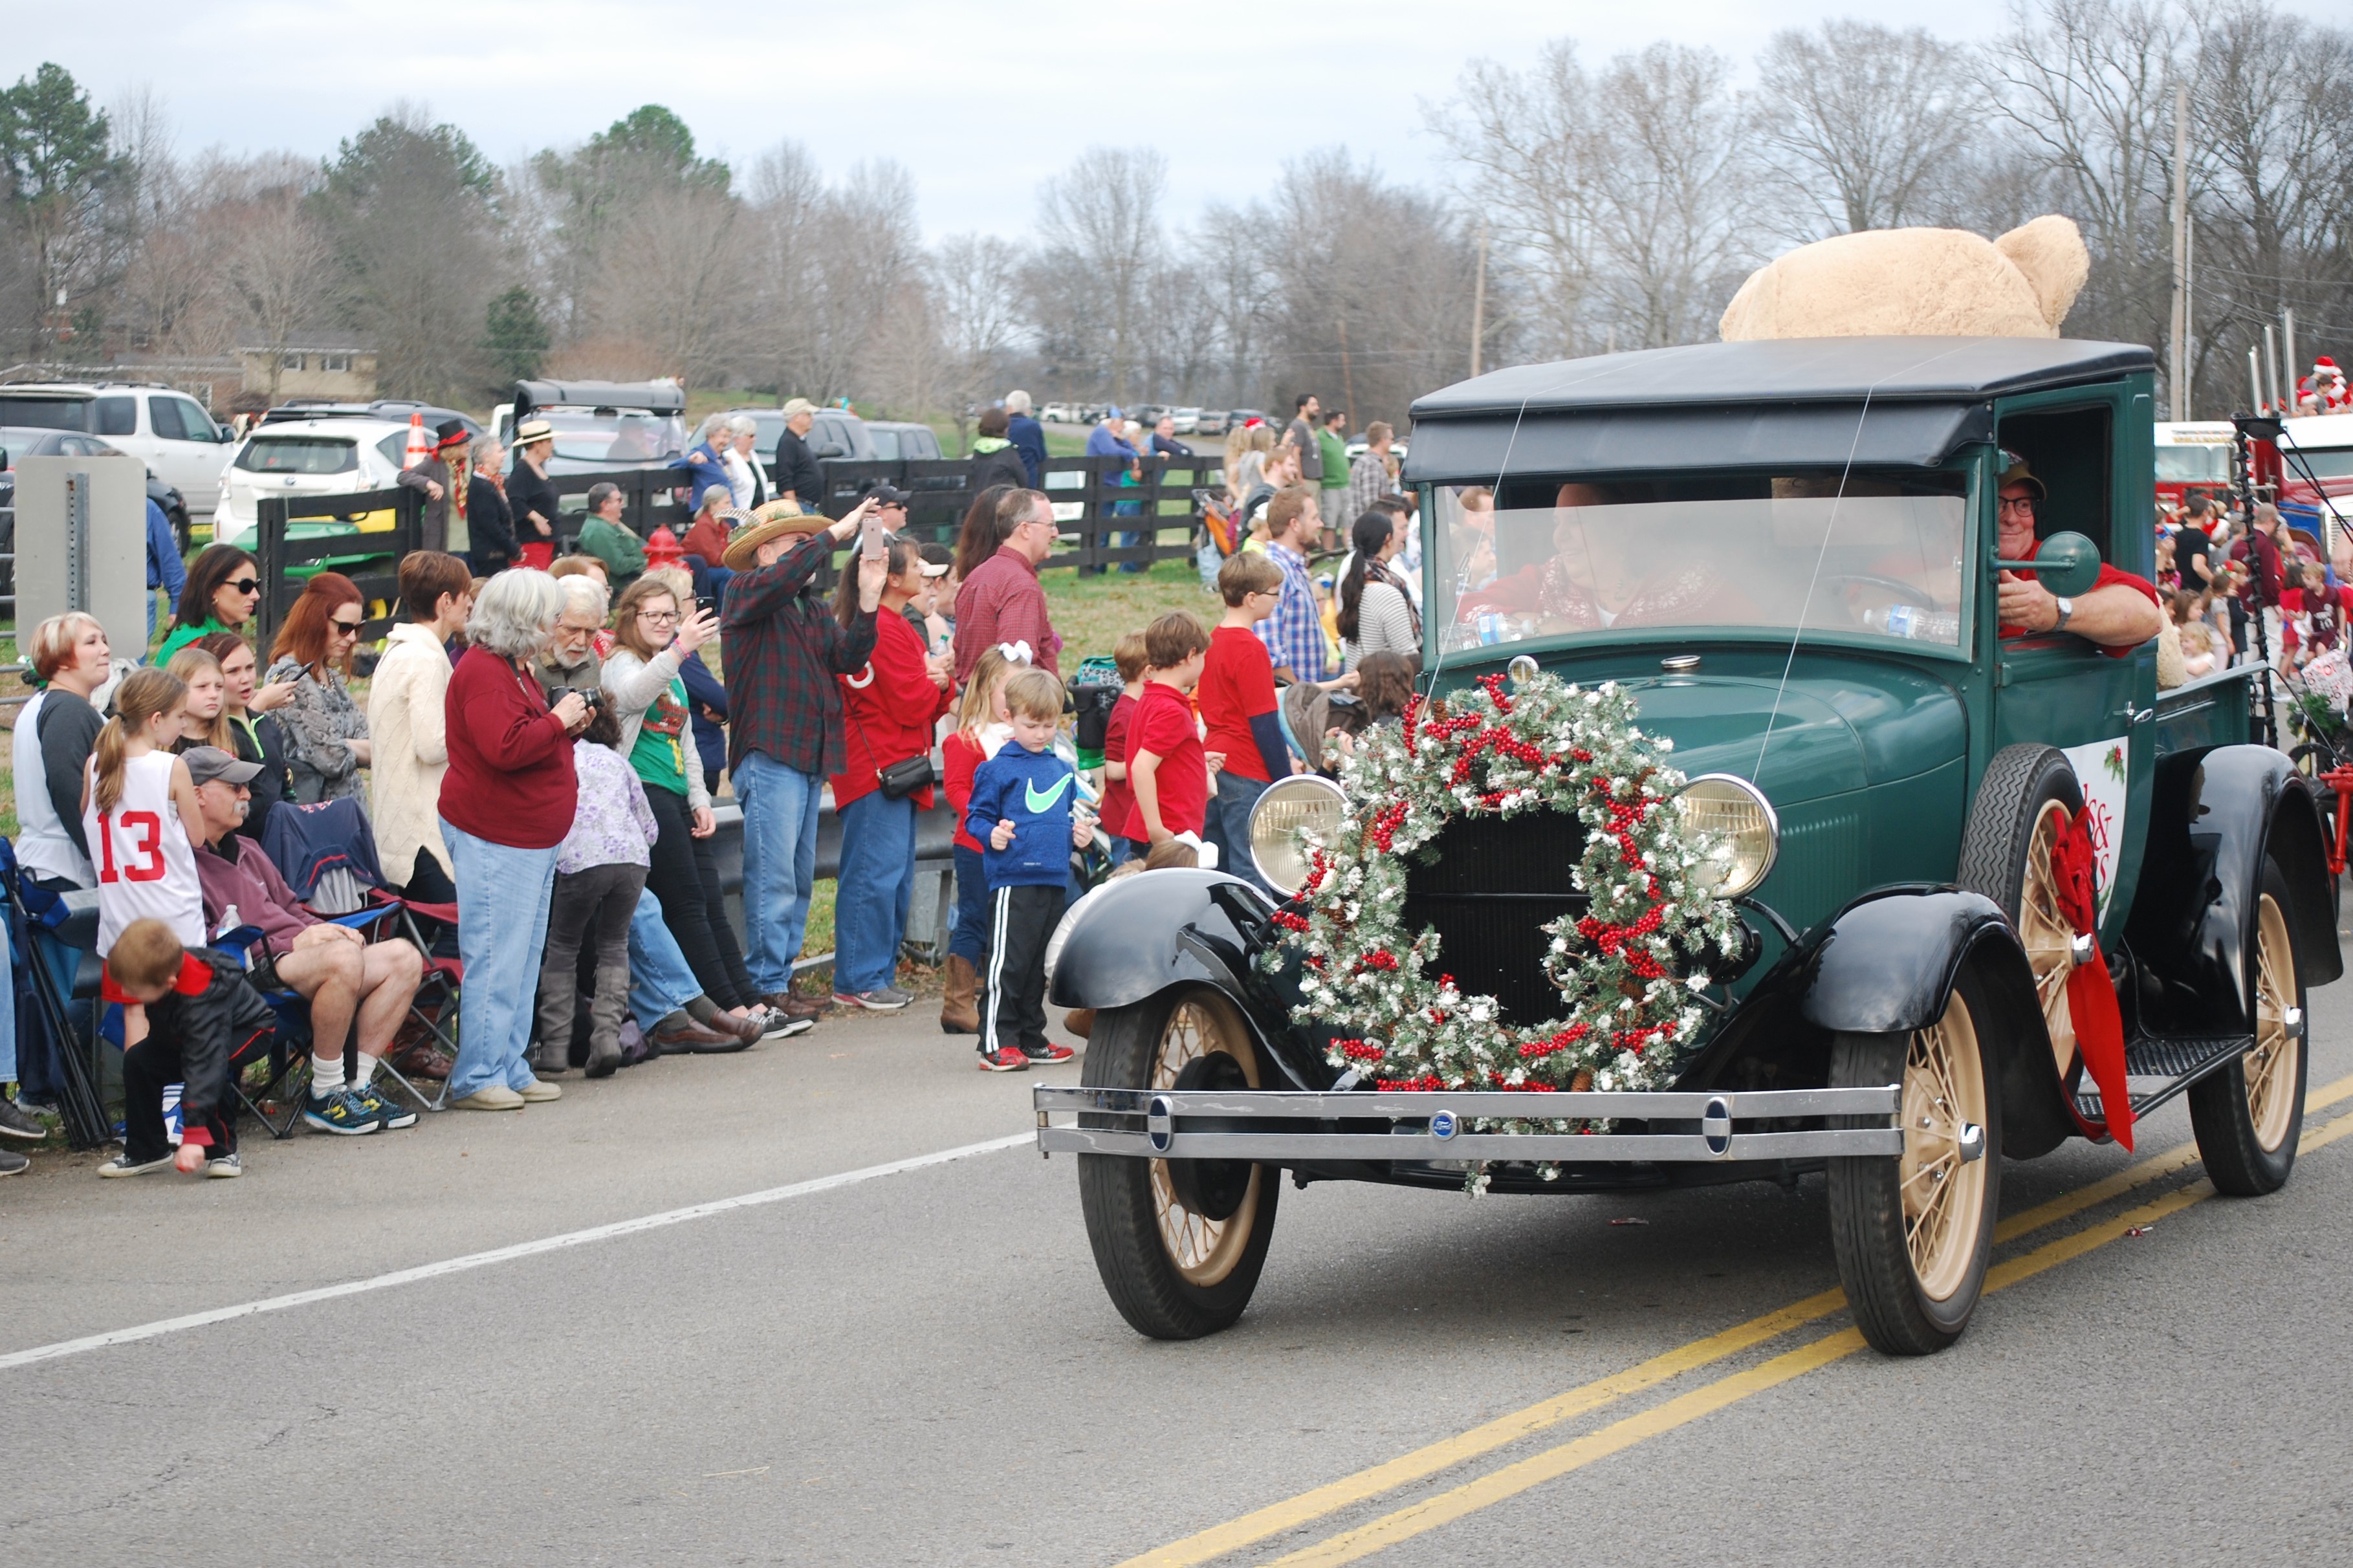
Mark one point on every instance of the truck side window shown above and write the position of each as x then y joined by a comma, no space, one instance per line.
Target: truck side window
117,416
163,416
2072,452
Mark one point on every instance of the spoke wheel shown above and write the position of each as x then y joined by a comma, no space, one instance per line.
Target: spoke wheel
1943,1195
1179,1244
2249,1115
1205,1249
1913,1230
2044,931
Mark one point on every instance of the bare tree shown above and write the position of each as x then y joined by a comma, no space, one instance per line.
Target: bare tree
1864,121
975,283
1100,220
278,265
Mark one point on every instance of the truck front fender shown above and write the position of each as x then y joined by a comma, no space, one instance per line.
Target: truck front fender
1887,963
1137,937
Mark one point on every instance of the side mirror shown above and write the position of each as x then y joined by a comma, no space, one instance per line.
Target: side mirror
2068,566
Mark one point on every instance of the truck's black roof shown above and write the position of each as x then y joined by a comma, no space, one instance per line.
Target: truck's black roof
1790,370
661,397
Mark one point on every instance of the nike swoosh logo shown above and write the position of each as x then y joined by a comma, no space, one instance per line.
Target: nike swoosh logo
1042,802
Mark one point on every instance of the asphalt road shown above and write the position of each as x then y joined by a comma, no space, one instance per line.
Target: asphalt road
922,1367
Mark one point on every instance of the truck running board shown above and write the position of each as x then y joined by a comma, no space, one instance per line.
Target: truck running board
1279,1126
2180,1059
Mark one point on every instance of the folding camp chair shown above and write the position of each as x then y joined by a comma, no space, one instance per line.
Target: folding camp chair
326,852
289,1046
49,932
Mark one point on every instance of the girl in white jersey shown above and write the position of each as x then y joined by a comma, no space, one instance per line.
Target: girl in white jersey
139,814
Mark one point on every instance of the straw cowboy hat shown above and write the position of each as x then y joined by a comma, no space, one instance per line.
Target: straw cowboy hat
773,521
531,431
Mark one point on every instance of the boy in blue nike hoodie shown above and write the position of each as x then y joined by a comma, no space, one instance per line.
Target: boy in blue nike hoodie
1020,808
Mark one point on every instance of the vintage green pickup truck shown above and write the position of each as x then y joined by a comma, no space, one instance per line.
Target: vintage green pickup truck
1785,551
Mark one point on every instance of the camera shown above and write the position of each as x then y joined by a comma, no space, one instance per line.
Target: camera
593,696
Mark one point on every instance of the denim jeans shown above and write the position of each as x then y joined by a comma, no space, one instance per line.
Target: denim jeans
876,887
969,940
781,805
660,980
503,894
1228,824
7,1012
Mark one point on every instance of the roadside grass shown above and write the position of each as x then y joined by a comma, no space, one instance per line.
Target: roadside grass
1094,613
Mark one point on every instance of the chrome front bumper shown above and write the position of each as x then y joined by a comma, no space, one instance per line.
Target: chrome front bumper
1213,1125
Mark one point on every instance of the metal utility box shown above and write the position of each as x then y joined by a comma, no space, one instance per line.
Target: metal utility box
82,544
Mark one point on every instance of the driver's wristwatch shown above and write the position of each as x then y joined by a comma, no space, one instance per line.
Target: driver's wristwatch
2066,614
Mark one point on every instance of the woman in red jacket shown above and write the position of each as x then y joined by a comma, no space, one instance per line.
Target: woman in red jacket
507,802
888,711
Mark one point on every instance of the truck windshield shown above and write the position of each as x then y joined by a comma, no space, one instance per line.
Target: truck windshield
2201,464
1870,555
2327,462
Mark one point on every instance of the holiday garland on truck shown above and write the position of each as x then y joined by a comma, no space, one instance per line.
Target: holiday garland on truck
1626,968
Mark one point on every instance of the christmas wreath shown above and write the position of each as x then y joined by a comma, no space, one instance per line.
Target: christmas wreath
1626,967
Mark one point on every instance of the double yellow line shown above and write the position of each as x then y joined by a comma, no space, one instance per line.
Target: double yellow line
1513,1478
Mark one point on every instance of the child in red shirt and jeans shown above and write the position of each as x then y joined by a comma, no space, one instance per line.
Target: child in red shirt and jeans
1238,704
1168,766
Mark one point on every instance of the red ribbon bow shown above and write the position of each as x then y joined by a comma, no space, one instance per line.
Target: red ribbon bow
2091,992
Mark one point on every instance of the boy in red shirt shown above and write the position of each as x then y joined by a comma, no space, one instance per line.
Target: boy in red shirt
1118,798
1238,704
1168,766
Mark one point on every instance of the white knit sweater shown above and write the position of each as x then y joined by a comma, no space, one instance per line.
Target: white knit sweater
406,719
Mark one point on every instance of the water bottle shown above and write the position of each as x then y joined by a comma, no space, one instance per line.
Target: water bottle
1491,627
1911,622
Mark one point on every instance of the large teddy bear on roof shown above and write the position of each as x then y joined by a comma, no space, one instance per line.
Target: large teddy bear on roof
1916,282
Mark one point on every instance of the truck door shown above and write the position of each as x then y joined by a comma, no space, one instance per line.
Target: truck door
2059,689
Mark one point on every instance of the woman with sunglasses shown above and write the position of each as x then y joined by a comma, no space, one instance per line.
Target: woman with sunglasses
326,733
258,738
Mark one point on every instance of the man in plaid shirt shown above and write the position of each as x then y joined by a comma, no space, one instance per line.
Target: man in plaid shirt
1293,635
1368,476
784,646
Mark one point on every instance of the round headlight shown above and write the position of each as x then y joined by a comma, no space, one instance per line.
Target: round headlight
1303,800
1747,834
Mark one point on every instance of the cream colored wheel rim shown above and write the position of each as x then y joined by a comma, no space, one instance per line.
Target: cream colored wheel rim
2269,1068
1203,1251
1944,1196
2048,940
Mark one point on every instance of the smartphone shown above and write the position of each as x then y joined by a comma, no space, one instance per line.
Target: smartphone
872,539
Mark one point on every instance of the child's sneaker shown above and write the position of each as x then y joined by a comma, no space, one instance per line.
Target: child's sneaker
12,1164
339,1113
120,1165
225,1167
384,1109
887,1000
1047,1053
1009,1059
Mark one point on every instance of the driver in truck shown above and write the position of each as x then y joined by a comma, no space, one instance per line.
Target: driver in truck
2117,616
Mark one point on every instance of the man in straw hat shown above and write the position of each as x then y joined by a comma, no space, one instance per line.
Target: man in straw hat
795,471
783,649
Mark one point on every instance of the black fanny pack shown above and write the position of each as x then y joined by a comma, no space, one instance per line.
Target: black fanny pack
902,779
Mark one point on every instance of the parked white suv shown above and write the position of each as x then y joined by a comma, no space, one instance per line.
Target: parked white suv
306,457
167,430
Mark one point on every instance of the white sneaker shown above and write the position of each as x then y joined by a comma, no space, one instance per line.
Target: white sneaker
225,1168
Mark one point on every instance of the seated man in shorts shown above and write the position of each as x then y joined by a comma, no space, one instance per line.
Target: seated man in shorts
344,977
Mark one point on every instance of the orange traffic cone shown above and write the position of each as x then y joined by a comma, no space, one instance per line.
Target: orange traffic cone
420,445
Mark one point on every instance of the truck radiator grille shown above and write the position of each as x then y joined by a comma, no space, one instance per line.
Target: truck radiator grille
1489,893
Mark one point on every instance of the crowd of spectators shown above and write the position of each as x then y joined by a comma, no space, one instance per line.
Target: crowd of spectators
535,760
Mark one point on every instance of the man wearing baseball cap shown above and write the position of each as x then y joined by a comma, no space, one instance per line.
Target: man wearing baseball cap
442,478
795,470
2117,616
347,979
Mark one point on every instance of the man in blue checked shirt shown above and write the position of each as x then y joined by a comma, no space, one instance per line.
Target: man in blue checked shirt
1293,635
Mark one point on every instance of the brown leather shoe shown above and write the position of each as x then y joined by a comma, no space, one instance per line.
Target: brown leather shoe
690,1038
745,1029
793,1004
423,1060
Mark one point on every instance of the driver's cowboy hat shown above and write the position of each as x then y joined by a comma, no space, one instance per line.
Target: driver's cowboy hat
531,431
773,521
2018,473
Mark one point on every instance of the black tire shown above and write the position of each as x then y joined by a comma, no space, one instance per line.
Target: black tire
1914,1280
2019,785
1162,1294
2249,1152
2313,758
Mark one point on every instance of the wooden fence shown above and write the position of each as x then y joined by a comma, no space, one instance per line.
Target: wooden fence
1106,521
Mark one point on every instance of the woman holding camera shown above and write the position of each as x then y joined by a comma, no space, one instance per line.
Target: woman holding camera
887,711
507,802
652,639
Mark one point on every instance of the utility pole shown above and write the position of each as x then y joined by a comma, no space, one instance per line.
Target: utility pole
1479,303
2180,368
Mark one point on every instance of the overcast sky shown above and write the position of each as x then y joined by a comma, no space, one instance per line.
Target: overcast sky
980,103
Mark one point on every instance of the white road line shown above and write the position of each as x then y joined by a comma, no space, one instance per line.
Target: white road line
505,1254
